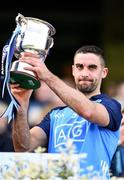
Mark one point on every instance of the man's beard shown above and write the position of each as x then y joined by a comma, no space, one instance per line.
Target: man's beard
87,88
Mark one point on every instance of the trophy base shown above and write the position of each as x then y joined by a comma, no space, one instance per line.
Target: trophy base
25,80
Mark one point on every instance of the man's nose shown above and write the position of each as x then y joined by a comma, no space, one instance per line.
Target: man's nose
85,72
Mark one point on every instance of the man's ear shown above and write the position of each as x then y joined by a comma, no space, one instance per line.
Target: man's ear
73,70
105,72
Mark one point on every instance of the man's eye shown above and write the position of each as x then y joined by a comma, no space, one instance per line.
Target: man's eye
92,67
79,66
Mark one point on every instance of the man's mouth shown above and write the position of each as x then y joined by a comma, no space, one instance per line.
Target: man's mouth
84,80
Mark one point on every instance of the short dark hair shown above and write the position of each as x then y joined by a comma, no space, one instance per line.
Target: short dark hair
92,49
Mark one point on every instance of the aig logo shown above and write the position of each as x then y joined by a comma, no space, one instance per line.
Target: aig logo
76,132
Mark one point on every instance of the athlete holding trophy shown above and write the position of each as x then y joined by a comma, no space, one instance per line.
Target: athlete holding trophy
30,35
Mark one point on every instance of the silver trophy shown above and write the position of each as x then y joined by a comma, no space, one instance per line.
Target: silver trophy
35,36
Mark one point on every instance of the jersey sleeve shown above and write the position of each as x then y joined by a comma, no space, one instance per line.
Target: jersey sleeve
45,124
114,109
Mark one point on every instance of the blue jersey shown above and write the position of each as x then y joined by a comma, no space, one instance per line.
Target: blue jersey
98,143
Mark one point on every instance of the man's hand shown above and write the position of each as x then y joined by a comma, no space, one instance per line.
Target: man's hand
21,95
37,65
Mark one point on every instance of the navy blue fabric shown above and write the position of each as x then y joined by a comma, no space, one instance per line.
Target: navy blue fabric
117,165
113,107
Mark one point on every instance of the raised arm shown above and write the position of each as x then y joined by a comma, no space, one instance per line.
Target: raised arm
25,139
94,112
75,99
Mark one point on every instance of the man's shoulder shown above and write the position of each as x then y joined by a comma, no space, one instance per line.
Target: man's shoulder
104,98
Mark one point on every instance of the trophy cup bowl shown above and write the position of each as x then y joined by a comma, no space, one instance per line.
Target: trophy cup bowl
35,36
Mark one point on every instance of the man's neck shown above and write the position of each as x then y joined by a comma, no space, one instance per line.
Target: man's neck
89,95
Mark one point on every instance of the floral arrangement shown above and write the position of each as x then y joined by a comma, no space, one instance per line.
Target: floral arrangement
57,168
63,167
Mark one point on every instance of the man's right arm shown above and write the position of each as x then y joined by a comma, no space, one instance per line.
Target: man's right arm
25,139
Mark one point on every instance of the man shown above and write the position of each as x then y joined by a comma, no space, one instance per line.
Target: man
90,119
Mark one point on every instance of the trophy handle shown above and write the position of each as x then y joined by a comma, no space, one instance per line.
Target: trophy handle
49,43
20,18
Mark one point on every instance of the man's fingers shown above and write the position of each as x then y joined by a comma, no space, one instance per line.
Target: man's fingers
29,54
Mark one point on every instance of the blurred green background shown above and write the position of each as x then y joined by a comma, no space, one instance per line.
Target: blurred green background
77,23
